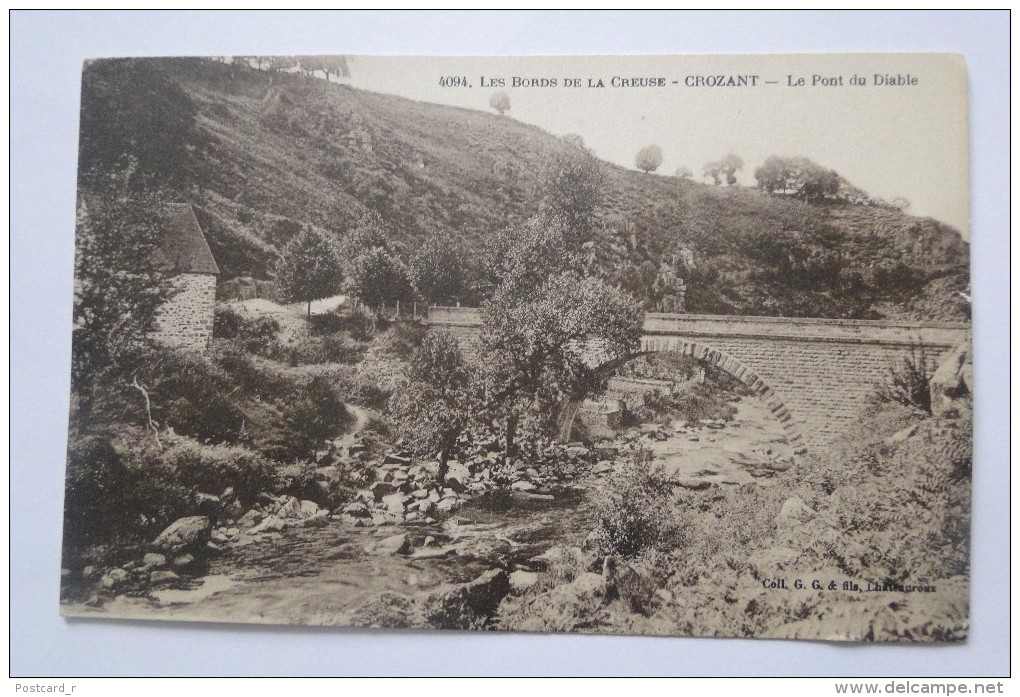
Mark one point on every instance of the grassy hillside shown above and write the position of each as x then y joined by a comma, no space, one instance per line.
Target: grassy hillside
262,155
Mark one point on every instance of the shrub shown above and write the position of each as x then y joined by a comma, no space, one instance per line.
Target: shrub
359,388
314,412
227,322
118,495
328,323
329,348
405,339
909,382
360,325
185,392
243,370
212,469
260,336
636,513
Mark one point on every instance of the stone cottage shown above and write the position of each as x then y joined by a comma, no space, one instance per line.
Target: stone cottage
186,320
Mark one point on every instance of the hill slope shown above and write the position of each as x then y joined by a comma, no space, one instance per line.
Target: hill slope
264,154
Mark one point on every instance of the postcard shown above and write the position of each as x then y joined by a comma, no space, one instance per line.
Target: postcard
657,345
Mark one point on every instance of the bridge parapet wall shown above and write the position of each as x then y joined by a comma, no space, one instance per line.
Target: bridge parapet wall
815,375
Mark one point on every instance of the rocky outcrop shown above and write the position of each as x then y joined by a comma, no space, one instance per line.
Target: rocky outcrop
188,534
954,378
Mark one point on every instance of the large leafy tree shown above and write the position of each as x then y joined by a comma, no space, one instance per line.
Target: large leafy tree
438,401
542,347
310,267
119,286
376,276
439,267
547,311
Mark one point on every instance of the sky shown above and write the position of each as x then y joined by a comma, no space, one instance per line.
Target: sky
893,141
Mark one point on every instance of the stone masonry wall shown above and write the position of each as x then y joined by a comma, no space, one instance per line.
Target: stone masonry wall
814,375
186,320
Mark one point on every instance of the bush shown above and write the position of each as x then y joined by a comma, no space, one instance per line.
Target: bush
359,388
636,513
329,348
909,382
243,370
405,339
314,412
260,336
118,496
359,324
328,323
212,469
227,322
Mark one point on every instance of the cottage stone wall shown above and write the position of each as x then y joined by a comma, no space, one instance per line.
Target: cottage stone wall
186,321
814,375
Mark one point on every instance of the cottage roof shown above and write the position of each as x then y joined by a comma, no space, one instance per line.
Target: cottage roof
184,248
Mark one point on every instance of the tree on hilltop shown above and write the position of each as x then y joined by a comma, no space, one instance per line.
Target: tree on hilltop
648,158
500,101
726,168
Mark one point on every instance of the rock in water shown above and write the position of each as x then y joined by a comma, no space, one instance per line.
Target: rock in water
153,561
472,603
521,581
163,576
184,534
394,544
114,578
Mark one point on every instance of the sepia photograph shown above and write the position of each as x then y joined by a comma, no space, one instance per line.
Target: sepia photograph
643,345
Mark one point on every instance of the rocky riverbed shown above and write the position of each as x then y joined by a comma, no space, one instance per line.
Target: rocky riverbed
406,551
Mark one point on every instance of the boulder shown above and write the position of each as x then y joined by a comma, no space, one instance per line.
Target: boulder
208,505
521,581
457,477
162,577
308,509
319,520
394,502
448,504
289,508
381,489
394,544
523,485
356,509
115,578
953,379
794,512
184,534
252,517
471,603
183,562
271,524
153,561
394,459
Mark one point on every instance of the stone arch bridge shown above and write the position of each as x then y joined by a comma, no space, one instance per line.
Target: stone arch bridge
814,375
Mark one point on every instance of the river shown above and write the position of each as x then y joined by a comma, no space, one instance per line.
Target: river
325,576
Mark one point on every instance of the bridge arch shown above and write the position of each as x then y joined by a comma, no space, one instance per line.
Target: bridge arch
714,357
